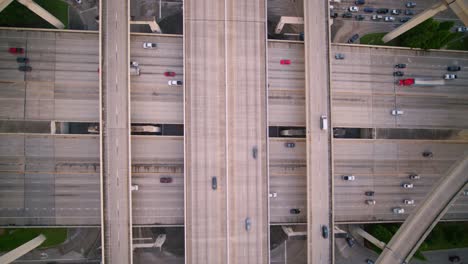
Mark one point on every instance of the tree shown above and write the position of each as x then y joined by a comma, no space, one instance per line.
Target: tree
430,34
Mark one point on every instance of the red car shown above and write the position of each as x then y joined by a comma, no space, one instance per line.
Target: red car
165,180
169,74
406,82
285,62
16,50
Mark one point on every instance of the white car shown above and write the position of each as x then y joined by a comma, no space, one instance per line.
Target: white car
370,202
414,177
407,185
397,112
134,64
273,195
149,45
461,29
389,19
376,17
353,9
94,129
450,76
349,177
174,83
398,210
408,202
145,128
134,188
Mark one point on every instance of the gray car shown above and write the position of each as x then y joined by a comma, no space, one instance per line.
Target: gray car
339,56
214,183
248,224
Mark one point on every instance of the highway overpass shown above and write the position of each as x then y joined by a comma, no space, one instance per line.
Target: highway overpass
64,86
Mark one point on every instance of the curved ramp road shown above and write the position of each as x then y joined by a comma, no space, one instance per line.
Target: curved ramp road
418,225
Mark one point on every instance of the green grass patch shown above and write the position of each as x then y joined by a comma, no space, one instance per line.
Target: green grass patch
447,236
13,238
443,236
17,15
376,39
384,233
372,39
459,44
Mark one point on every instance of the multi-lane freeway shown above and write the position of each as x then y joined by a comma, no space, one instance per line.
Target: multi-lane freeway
75,85
225,132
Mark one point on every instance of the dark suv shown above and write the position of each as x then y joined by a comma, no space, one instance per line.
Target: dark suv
382,11
353,38
294,211
453,68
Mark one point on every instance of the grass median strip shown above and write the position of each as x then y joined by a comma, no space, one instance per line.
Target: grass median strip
13,238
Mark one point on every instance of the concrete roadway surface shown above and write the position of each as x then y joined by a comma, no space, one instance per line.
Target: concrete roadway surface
64,86
288,179
49,180
364,89
286,93
418,225
152,99
116,204
54,180
225,130
383,166
63,83
206,219
317,104
246,85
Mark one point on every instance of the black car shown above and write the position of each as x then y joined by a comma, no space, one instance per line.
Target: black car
404,19
334,15
409,12
428,154
360,2
398,73
254,152
359,17
22,60
289,144
214,183
368,9
347,15
25,68
454,259
400,65
369,193
453,68
382,11
351,241
353,38
294,211
325,231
